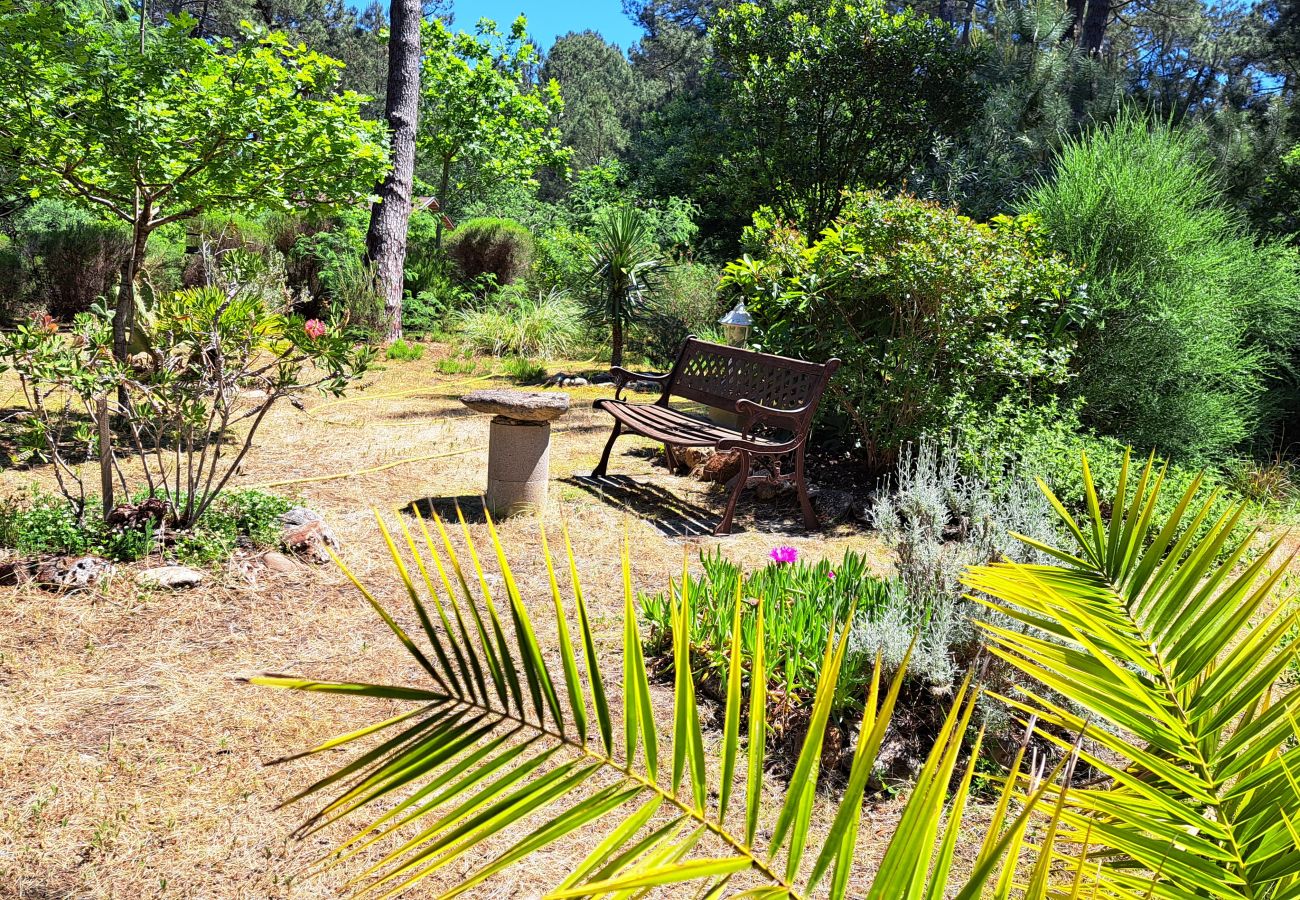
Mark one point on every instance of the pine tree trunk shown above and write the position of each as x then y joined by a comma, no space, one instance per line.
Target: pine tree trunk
1095,21
391,214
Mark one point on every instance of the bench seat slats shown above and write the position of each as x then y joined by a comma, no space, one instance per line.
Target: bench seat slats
671,426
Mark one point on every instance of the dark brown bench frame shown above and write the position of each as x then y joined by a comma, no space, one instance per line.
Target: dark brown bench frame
763,389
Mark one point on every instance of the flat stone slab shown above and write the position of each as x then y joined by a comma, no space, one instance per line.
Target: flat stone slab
522,406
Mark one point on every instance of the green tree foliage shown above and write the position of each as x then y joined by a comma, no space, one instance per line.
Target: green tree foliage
602,96
481,119
1194,315
1037,89
937,318
152,125
824,97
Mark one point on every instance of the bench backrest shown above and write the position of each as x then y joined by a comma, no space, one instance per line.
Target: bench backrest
718,375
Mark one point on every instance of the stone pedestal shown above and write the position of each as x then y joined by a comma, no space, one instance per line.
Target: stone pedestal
519,447
519,456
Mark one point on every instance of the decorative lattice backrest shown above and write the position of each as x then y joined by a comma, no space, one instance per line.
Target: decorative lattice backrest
718,375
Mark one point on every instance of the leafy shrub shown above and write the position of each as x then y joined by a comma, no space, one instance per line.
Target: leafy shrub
501,248
802,602
561,259
688,304
939,520
61,259
182,403
404,351
1194,315
514,323
79,264
523,370
935,317
40,522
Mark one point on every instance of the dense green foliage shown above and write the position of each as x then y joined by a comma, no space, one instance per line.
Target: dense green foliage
824,97
1195,317
480,120
500,248
803,603
937,318
39,523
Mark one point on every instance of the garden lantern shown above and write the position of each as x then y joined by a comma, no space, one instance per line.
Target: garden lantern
736,325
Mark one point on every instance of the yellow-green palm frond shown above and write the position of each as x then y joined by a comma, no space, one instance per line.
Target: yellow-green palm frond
1167,641
504,753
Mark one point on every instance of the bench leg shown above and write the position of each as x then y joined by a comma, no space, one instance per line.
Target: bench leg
801,486
742,479
670,459
599,471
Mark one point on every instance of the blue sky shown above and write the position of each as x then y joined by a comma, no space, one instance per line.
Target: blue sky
547,19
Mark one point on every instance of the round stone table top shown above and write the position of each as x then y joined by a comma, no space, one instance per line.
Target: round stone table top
522,406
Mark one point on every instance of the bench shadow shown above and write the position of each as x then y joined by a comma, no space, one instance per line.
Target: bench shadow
670,515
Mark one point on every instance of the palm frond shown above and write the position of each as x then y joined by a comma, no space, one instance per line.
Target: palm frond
1174,638
494,768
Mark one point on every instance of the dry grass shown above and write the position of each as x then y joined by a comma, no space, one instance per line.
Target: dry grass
132,763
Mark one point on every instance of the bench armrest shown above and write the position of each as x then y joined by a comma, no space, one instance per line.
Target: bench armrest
753,412
622,376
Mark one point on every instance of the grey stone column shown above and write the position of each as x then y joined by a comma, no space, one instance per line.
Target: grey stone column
519,456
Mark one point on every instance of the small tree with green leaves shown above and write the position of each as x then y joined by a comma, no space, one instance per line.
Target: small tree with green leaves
481,120
150,125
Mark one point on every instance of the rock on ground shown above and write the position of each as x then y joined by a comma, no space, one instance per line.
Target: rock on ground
173,577
310,540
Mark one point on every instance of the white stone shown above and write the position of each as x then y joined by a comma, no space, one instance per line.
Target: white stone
171,577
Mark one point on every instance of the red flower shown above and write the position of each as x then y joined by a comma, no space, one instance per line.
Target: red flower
315,329
44,322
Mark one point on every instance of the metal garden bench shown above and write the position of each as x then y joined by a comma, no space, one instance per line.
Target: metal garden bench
774,397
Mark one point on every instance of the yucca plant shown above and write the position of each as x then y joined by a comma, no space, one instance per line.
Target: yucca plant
499,757
626,269
1175,645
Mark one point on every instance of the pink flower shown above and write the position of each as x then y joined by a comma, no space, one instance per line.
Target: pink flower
784,555
831,574
315,329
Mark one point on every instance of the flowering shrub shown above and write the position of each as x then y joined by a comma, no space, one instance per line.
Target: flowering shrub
186,406
936,317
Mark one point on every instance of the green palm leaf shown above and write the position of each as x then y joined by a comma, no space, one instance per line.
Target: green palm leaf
1176,642
478,775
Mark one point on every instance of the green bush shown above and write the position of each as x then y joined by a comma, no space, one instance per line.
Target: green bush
688,304
801,603
1194,316
43,523
935,317
404,351
501,248
514,323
